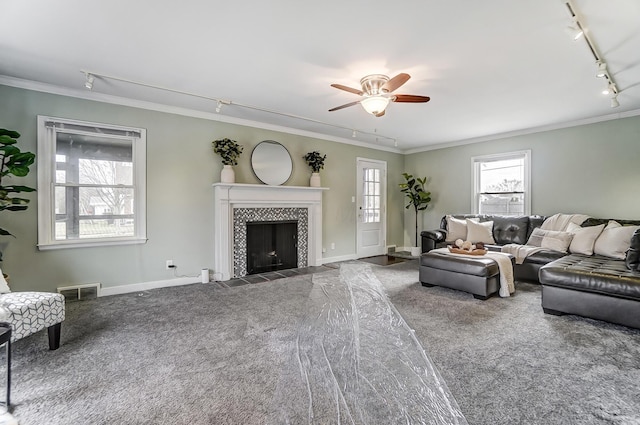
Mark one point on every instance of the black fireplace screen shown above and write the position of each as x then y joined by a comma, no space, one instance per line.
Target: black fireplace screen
271,245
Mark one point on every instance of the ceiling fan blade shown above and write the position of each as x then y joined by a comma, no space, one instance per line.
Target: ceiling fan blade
396,82
410,98
349,89
346,105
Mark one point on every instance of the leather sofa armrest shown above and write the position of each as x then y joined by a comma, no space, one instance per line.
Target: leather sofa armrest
633,255
431,237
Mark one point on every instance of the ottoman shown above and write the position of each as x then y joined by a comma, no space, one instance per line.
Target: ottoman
30,312
476,274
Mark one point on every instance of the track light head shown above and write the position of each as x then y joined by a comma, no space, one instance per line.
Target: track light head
614,101
602,70
89,82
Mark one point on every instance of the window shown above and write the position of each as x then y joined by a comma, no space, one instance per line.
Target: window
502,184
91,184
371,196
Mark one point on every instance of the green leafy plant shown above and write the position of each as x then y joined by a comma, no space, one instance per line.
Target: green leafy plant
229,150
15,163
315,160
419,198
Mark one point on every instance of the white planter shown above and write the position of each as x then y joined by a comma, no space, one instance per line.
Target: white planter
227,175
415,251
314,181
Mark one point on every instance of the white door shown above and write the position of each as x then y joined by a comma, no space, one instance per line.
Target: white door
371,207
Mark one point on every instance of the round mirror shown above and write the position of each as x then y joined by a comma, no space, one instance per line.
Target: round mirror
271,162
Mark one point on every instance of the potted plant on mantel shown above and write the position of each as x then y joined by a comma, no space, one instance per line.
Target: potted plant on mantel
315,160
229,150
419,198
15,163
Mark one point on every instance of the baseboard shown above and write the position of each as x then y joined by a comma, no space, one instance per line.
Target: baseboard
326,260
145,286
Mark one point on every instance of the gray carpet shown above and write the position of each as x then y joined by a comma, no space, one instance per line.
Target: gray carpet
199,354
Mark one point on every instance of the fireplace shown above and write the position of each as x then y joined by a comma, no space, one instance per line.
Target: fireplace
237,205
271,246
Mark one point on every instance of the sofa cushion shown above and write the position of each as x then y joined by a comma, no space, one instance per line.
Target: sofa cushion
543,257
510,229
550,239
584,238
615,240
456,229
594,274
480,232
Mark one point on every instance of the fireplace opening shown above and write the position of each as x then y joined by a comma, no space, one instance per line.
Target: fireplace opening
271,245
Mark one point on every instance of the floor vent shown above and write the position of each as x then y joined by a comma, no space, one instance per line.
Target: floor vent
88,291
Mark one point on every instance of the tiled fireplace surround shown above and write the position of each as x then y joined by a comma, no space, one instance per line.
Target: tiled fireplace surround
236,204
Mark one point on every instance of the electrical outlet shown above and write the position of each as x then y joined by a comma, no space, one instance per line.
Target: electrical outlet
169,264
333,245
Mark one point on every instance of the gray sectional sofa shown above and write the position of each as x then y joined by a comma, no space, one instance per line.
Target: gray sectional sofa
593,286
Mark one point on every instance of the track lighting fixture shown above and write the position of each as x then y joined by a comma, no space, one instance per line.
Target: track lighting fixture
577,31
89,82
90,78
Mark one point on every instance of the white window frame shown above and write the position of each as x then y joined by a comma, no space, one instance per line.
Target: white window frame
46,160
476,161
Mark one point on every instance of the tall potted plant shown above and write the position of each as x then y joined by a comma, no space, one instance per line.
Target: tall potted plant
315,160
229,150
14,163
419,199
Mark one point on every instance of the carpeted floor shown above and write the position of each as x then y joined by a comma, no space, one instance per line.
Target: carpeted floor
202,354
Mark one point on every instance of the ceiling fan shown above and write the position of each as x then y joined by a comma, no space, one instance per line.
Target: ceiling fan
377,92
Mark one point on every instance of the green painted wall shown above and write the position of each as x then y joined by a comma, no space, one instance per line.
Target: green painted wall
592,169
181,168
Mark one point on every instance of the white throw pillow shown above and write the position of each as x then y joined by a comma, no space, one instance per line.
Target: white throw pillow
615,240
550,239
480,232
456,229
4,286
583,238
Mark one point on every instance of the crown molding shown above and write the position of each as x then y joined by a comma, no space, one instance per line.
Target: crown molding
532,130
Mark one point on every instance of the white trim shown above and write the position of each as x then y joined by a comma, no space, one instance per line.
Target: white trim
384,209
475,176
152,106
159,107
348,257
145,286
46,178
524,132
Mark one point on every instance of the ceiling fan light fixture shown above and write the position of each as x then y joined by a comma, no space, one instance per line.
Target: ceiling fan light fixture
375,104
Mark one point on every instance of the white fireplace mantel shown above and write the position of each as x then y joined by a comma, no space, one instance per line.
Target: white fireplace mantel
228,196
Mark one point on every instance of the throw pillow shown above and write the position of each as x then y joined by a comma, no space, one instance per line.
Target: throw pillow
4,286
550,239
615,240
480,232
456,229
583,238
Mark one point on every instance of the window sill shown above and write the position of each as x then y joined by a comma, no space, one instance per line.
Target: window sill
90,243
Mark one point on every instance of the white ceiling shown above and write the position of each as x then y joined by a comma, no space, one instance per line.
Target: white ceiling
490,67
